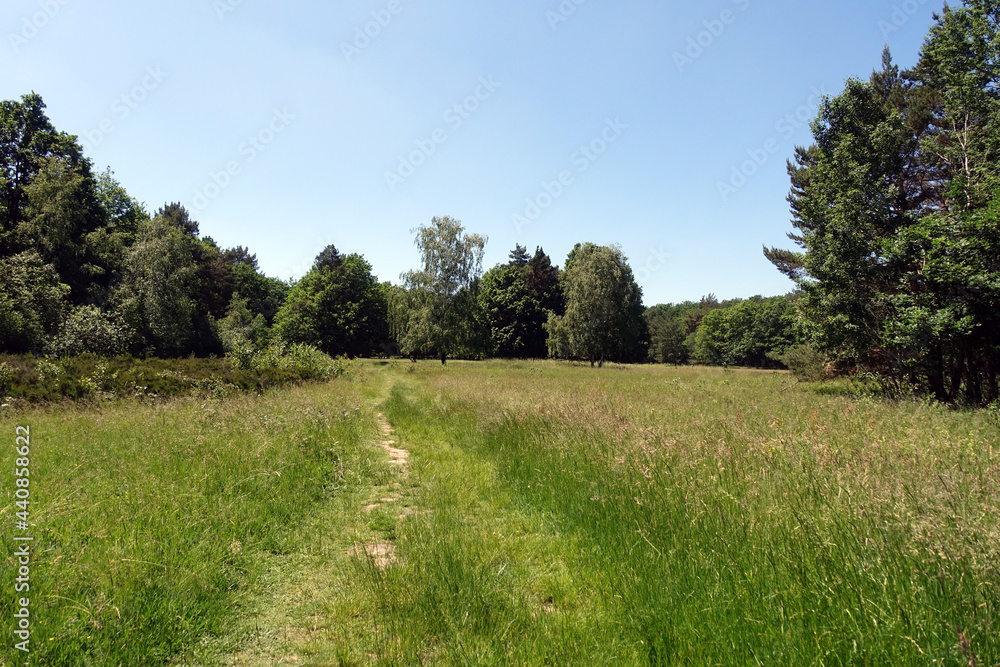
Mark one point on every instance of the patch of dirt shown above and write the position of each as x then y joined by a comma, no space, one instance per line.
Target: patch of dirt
382,553
397,456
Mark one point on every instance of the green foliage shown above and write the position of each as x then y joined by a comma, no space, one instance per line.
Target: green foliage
515,299
264,295
747,333
90,329
896,208
441,297
29,144
124,213
805,362
160,286
604,313
62,212
668,330
32,302
240,328
514,317
338,307
306,360
88,377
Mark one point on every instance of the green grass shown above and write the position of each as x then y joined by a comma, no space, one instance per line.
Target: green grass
690,516
550,514
151,521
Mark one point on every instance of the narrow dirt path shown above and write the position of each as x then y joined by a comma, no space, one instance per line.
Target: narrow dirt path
397,456
383,553
311,606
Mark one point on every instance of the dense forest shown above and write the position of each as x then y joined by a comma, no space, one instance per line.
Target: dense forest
895,209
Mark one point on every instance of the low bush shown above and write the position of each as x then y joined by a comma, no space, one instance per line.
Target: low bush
805,362
27,379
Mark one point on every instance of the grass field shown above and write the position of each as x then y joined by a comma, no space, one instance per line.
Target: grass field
547,514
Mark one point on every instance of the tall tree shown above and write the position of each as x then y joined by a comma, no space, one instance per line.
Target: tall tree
515,299
32,302
339,307
543,281
747,333
61,215
177,216
519,255
442,292
604,313
27,141
896,208
668,332
513,315
159,292
264,295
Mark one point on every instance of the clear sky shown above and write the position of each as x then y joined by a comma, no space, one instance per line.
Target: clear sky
287,127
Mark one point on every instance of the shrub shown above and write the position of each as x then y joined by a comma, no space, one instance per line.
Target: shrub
31,380
89,329
305,360
805,362
6,374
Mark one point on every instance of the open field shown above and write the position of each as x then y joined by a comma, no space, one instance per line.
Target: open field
546,514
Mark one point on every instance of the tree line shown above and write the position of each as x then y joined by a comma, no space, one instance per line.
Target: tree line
895,208
84,268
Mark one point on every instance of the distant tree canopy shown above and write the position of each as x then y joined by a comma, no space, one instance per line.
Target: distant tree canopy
516,298
440,298
604,313
747,333
338,307
83,267
896,208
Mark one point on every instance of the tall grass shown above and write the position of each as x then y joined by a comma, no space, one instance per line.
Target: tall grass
150,520
557,514
694,517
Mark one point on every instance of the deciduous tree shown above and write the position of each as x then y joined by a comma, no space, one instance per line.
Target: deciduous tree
442,292
604,312
339,307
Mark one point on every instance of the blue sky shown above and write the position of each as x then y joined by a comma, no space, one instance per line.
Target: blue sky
661,126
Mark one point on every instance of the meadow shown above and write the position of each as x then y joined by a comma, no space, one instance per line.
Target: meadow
548,513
